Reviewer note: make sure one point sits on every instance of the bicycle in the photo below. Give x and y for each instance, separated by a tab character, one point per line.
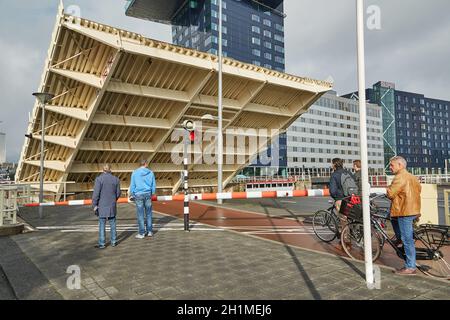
327	223
429	239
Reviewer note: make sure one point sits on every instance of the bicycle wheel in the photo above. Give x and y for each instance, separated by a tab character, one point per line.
352	240
325	225
430	259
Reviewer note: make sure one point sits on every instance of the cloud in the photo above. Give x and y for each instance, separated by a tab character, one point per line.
411	49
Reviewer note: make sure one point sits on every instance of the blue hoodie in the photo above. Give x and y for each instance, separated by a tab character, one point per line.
142	181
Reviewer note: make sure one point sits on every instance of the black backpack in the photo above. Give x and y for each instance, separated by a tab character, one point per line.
348	183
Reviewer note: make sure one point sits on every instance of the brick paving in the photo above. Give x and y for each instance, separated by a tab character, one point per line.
206	263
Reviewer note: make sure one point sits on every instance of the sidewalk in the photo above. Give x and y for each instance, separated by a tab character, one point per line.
206	263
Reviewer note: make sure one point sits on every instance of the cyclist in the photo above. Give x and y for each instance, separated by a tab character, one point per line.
357	174
342	185
404	193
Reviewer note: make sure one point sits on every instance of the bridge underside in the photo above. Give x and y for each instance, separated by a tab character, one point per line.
120	97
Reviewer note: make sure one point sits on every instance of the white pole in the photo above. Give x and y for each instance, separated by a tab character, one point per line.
363	144
219	124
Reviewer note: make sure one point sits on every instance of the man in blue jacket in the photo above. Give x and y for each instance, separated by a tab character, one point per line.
142	187
104	200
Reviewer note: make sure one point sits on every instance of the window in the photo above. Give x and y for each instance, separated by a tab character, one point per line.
256	52
279	49
267	33
268	45
268	56
255	18
256	29
279	27
257	63
268	66
278	38
267	22
256	41
279	59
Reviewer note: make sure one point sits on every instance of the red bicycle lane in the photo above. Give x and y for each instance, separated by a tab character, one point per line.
287	231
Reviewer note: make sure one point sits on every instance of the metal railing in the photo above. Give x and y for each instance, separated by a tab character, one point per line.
29	191
273	178
8	205
434	178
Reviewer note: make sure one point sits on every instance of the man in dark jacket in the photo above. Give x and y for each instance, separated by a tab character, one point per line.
336	191
104	200
357	174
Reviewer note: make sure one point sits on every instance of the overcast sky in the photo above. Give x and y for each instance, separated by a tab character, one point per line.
412	48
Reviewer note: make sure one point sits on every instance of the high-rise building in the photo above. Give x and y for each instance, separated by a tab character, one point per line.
330	129
252	32
2	148
414	126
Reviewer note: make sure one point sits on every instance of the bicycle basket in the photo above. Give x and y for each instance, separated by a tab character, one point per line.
356	213
348	206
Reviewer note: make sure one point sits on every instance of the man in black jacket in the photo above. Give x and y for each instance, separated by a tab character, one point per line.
336	191
357	174
104	199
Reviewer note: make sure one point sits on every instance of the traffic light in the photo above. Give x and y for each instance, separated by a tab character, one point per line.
189	126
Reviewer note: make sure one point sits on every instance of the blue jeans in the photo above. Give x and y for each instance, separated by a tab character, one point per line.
403	228
101	230
144	208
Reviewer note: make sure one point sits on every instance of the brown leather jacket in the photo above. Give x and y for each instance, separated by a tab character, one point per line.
405	195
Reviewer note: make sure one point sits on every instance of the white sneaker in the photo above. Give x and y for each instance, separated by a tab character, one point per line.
150	234
139	236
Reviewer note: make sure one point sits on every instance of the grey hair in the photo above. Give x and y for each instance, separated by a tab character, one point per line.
399	159
144	162
106	167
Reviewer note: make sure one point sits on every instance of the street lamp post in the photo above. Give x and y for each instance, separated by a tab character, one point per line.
219	124
43	99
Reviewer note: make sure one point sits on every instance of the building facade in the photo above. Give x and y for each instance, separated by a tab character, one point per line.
415	127
251	31
330	129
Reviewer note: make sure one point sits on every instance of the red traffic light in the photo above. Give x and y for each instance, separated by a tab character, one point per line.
192	136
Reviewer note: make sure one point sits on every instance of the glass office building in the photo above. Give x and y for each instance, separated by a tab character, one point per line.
252	32
414	126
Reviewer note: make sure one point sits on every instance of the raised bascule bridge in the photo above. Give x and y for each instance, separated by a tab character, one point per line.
119	97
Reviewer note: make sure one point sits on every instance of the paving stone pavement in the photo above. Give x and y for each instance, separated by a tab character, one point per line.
206	263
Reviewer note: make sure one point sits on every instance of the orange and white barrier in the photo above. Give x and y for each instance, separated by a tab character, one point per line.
204	196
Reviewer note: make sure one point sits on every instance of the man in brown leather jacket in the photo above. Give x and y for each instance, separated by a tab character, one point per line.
404	193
